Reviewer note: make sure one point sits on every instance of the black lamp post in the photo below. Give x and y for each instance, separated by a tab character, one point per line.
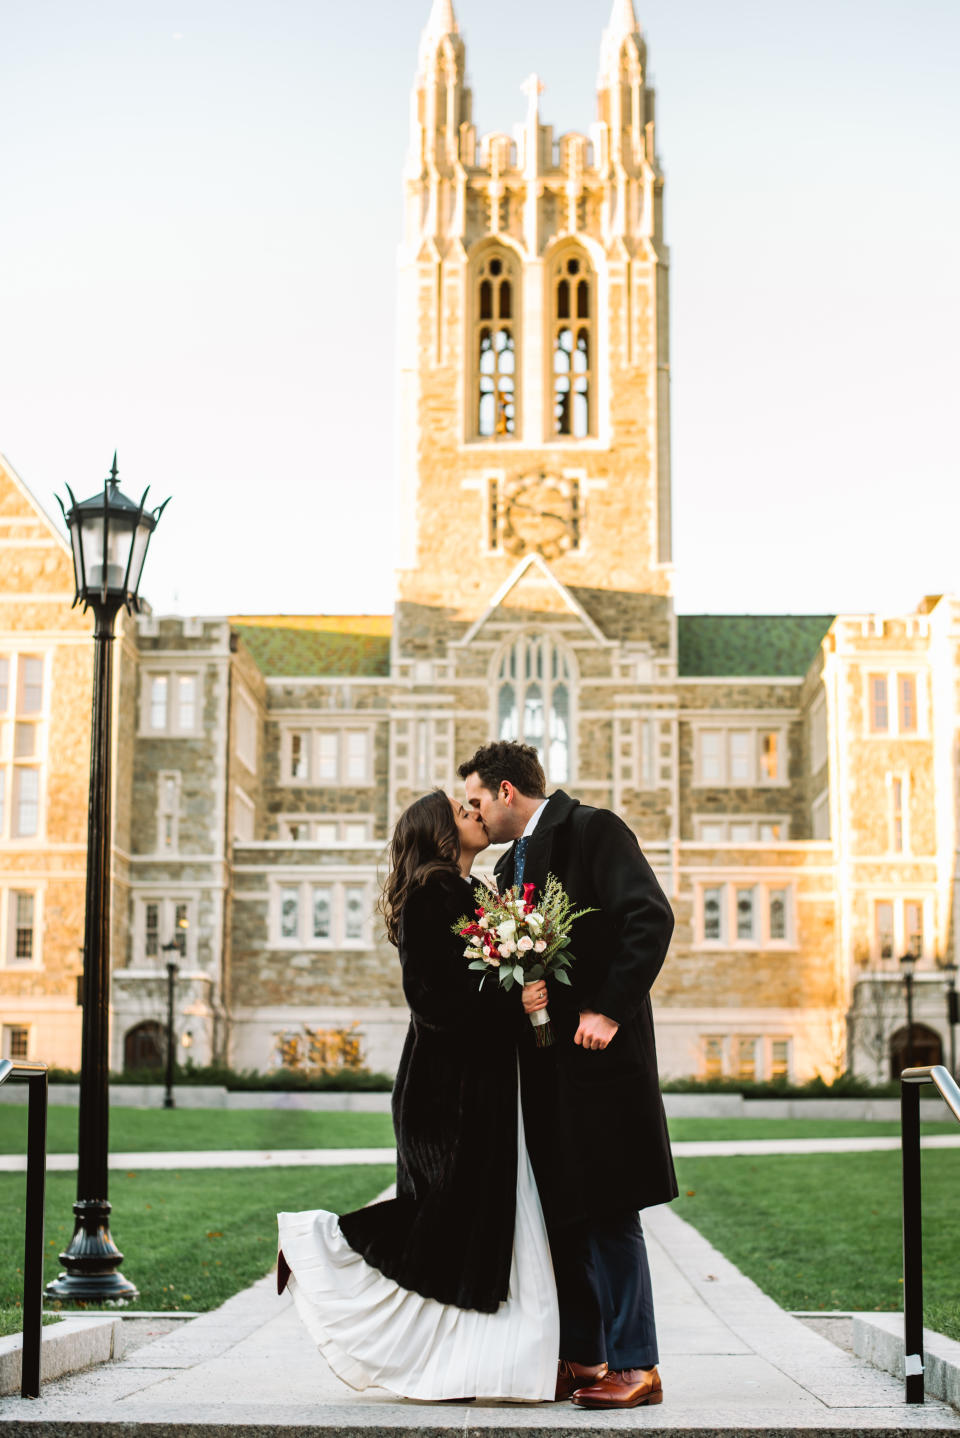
953	1014
110	535
172	948
907	965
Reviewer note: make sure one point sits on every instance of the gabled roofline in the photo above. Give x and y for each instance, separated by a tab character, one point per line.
32	499
535	561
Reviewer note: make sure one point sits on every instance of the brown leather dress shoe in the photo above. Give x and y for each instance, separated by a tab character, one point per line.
617	1390
571	1376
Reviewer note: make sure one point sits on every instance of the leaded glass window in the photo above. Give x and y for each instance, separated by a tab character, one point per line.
573	319
533	686
496	346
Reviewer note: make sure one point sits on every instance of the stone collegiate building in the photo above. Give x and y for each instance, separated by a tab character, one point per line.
793	780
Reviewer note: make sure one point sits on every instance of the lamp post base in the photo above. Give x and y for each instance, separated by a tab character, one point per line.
91	1261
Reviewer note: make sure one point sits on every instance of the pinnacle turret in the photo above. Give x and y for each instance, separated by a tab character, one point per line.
621	25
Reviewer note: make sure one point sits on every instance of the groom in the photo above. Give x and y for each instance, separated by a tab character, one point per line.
593	1114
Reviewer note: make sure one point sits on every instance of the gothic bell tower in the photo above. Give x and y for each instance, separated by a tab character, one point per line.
534	348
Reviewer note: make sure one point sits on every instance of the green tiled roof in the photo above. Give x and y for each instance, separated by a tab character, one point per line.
296	650
749	644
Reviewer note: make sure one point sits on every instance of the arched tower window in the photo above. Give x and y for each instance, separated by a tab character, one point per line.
533	688
574	312
495	345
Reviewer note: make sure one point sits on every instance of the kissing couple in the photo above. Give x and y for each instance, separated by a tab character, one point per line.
511	1264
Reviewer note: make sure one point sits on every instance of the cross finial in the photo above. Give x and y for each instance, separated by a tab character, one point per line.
533	87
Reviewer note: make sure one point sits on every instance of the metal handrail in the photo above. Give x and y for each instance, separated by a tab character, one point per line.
910	1081
35	1075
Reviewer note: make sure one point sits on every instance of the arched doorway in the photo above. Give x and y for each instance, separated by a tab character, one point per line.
145	1046
924	1048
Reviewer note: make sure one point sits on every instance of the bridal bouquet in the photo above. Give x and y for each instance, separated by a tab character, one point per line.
520	940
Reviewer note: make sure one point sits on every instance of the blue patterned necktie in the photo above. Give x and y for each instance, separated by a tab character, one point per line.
519	859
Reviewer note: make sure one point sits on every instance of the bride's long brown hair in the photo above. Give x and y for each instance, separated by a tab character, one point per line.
425	841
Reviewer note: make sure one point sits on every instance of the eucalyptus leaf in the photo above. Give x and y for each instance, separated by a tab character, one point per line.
477	964
562	978
518	973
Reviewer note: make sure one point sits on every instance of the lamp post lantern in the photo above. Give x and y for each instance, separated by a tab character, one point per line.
908	963
174	947
110	535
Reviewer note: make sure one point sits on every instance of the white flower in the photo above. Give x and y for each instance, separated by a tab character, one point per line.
483	923
505	950
534	922
525	944
539	946
507	930
473	953
491	960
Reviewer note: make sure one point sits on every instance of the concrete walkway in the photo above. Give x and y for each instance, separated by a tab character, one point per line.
331	1157
732	1363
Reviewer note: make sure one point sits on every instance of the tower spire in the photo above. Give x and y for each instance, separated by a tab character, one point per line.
443	21
621	25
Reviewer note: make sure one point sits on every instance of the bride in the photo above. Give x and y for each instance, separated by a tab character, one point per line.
446	1291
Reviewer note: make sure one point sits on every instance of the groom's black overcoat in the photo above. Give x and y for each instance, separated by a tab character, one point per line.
594	1119
449	1232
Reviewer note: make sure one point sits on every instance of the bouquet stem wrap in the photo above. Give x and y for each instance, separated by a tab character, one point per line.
542	1028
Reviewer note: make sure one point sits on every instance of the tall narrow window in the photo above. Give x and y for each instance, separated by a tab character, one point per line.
879	705
907	696
780	1059
573	347
159	685
713	1057
913	927
31	685
713	914
745	928
23	907
778	914
496	347
883	928
533	701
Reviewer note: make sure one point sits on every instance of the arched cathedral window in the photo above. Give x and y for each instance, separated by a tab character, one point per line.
495	346
574	309
533	688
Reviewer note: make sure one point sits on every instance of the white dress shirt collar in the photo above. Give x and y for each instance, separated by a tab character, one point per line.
533	821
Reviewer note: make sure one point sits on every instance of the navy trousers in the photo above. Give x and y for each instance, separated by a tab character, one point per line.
605	1294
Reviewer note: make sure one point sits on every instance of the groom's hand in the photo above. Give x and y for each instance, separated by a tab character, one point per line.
595	1030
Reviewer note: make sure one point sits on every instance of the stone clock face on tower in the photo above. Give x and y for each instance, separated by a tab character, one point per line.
541	515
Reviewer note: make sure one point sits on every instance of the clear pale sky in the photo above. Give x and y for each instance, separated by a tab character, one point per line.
200	212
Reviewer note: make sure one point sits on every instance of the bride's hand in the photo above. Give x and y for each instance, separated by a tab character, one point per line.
534	996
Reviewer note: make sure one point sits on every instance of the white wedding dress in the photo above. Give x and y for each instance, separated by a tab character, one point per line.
374	1333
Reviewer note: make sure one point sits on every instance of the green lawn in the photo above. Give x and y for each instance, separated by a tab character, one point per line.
740	1128
190	1239
138	1130
152	1130
823	1230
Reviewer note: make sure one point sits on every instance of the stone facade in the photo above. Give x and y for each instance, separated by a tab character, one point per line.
792	779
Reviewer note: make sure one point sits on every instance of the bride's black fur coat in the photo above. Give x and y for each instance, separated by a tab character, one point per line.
449	1232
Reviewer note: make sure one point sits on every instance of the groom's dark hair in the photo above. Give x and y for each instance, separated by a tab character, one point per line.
518	763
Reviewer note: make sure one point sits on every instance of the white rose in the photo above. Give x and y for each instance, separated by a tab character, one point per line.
491	960
505	950
507	930
539	946
525	944
483	923
534	922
